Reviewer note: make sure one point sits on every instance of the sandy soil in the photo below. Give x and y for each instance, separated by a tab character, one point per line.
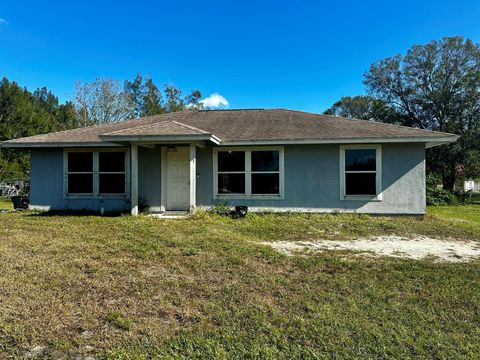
418	248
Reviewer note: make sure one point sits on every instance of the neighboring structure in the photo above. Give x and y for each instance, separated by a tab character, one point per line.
276	159
467	186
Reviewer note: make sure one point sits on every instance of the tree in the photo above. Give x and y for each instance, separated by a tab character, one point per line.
436	87
149	100
25	114
102	102
365	108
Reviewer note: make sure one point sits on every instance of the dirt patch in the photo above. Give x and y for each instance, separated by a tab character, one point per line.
418	248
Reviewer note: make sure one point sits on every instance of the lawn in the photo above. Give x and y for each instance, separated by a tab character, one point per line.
6	204
125	287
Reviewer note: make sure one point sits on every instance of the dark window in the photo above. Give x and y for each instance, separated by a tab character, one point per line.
80	162
360	184
231	161
80	173
111	161
111	183
111	169
231	183
80	183
265	161
360	160
360	171
265	183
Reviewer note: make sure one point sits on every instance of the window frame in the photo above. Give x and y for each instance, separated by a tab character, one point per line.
96	175
248	173
378	172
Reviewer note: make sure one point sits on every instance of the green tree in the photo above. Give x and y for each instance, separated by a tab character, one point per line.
365	108
436	86
25	114
149	100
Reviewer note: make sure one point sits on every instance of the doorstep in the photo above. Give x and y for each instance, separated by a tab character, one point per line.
172	215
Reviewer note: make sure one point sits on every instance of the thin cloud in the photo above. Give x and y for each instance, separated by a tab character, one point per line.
3	21
215	101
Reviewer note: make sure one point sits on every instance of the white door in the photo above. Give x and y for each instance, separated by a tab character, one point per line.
178	179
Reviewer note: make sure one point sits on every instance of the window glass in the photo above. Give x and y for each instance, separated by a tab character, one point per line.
80	183
360	184
265	184
111	161
231	183
265	161
80	162
111	183
360	160
231	161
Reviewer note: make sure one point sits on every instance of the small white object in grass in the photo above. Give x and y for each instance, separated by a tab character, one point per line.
418	248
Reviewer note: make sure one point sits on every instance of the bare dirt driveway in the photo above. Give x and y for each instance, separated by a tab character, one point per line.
418	248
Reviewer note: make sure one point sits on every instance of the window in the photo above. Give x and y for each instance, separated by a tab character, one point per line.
265	172
95	173
80	173
360	172
231	172
245	173
111	172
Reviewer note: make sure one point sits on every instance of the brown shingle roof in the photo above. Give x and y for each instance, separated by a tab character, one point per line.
274	125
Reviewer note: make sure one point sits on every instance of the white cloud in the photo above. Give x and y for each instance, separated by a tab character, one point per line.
215	101
3	21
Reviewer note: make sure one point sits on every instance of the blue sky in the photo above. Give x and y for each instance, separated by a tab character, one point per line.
294	54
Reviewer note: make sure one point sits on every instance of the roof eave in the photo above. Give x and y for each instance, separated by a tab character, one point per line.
53	144
429	141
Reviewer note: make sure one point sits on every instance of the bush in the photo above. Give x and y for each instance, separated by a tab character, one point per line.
436	196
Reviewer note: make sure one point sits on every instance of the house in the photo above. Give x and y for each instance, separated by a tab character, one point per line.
266	159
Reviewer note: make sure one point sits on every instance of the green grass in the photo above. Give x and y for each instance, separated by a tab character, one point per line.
205	288
467	216
6	204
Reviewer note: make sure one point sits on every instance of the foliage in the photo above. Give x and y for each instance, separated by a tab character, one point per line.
148	99
438	196
436	86
101	102
23	113
365	108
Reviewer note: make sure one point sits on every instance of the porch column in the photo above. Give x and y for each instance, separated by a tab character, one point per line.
134	178
193	176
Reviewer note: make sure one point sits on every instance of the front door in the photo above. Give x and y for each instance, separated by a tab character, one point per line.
178	179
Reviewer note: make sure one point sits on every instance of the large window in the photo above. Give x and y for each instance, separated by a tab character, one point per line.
95	173
245	173
360	171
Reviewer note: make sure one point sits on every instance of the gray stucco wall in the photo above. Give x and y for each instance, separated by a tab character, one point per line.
312	182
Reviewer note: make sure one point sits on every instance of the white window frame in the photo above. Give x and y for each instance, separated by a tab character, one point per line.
378	172
248	173
96	174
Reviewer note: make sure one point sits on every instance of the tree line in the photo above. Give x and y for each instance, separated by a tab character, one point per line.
435	86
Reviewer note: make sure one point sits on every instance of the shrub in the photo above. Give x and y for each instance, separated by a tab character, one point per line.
437	196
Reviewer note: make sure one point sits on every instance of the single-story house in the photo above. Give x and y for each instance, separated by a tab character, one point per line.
266	159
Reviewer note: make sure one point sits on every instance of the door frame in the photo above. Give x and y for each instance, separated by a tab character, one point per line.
164	169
